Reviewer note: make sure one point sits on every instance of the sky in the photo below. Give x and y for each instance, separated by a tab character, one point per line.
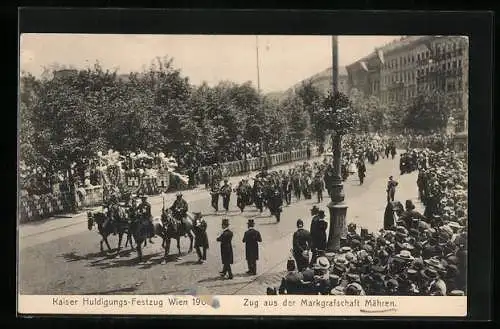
283	60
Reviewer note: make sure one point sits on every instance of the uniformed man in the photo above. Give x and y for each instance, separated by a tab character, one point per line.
179	209
225	191
214	193
319	186
391	189
251	240
144	212
361	170
301	246
226	249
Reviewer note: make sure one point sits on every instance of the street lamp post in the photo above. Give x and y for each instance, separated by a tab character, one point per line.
336	207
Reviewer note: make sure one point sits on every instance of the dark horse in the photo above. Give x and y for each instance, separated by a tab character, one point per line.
172	230
105	227
140	229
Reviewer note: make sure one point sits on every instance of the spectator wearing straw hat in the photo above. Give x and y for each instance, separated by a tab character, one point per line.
251	240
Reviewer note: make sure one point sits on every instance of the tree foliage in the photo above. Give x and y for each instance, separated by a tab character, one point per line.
337	115
428	112
66	119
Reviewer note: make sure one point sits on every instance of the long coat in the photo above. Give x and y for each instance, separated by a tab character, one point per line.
226	248
251	240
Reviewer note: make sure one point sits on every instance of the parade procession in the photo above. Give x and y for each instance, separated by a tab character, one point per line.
159	182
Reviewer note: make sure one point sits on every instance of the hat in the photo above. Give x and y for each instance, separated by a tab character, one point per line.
353	277
314	209
178	194
456	293
322	263
355	243
321	213
225	221
391	284
407	246
434	263
251	222
452	260
411	271
417	264
300	223
429	273
455	225
290	264
338	290
345	249
404	255
409	205
353	289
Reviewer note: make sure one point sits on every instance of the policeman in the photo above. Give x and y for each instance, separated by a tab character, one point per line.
144	211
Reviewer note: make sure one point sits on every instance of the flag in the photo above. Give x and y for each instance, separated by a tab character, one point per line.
380	55
363	65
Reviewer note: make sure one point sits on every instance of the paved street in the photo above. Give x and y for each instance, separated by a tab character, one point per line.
62	257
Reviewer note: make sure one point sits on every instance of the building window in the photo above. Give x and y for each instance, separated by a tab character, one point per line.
459	63
418	57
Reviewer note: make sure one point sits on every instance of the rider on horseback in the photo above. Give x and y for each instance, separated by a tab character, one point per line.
179	210
144	212
112	210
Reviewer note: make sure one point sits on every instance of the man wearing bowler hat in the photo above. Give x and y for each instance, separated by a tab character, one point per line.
251	240
301	246
226	249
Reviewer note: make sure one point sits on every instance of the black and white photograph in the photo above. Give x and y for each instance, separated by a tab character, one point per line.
243	165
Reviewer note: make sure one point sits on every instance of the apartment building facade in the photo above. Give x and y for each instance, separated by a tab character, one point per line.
405	68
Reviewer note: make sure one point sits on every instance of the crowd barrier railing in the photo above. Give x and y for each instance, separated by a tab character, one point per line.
238	167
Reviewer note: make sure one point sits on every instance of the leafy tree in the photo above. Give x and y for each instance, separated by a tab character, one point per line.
428	112
298	118
336	114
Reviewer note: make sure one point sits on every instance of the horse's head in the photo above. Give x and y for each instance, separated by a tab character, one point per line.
90	220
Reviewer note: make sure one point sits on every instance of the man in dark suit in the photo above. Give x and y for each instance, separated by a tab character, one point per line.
251	240
201	238
301	246
226	249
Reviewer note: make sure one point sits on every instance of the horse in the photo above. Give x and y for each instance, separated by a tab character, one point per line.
105	227
172	230
140	230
